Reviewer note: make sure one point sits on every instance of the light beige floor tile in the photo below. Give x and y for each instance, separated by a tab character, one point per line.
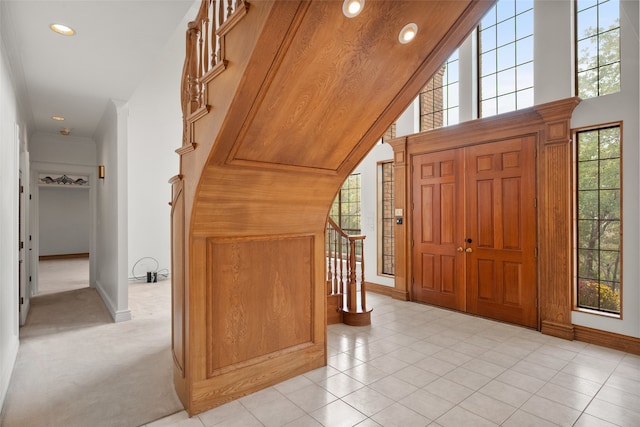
564	396
311	397
485	368
338	414
521	381
581	385
546	360
343	361
469	349
488	407
500	359
524	419
305	421
534	370
613	413
392	387
271	408
295	383
407	355
398	415
366	373
458	417
321	374
368	401
225	414
340	385
449	390
425	347
178	419
557	352
506	393
623	383
586	371
241	419
551	411
587	420
435	366
427	404
388	364
467	378
452	356
416	376
619	397
368	423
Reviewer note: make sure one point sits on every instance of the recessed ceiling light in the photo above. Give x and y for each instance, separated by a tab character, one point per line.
408	33
58	118
352	8
62	29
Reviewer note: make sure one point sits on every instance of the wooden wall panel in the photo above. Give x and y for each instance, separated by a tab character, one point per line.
257	308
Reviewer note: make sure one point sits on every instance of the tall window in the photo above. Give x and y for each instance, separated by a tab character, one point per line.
439	100
597	47
386	258
599	219
506	57
345	210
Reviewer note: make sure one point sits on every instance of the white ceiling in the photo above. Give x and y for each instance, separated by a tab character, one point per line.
115	44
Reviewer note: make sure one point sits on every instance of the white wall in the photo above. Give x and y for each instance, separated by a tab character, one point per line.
155	132
9	118
111	211
64	218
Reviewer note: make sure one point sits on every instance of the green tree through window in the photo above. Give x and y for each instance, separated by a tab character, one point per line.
599	219
346	207
597	47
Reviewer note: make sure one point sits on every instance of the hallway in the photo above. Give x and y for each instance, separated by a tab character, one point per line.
75	367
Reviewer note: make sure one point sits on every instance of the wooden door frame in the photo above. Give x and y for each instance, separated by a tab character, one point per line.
550	125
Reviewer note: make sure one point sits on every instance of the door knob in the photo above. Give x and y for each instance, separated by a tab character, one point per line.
469	250
460	249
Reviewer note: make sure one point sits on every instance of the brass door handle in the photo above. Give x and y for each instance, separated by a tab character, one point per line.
469	250
460	249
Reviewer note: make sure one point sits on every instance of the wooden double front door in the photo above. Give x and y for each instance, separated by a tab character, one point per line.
474	230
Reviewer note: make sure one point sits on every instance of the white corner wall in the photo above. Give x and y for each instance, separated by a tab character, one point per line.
111	211
155	132
9	171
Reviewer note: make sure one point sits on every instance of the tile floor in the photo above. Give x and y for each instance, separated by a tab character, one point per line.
418	365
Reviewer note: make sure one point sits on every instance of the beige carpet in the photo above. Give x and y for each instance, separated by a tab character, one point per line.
76	367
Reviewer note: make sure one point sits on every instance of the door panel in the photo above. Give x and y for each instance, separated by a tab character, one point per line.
474	230
500	220
438	275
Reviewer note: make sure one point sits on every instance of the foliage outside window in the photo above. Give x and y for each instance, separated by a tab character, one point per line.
599	224
346	208
506	57
439	100
386	235
597	47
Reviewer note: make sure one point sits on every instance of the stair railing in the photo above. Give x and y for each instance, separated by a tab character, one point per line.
205	54
344	252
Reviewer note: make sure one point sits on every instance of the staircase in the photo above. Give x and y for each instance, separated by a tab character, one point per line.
346	295
281	100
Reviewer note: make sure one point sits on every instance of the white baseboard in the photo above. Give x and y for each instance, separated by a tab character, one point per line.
116	315
7	369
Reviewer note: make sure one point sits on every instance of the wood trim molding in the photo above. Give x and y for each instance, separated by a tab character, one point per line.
560	330
232	21
187	148
379	289
214	72
200	112
64	256
607	339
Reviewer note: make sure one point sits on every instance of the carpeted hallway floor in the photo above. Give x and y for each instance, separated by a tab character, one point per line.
75	367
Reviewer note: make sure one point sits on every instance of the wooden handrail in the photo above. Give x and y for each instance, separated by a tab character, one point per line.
205	55
342	278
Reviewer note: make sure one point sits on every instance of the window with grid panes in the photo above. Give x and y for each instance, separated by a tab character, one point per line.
387	226
597	47
439	100
345	210
599	219
506	57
